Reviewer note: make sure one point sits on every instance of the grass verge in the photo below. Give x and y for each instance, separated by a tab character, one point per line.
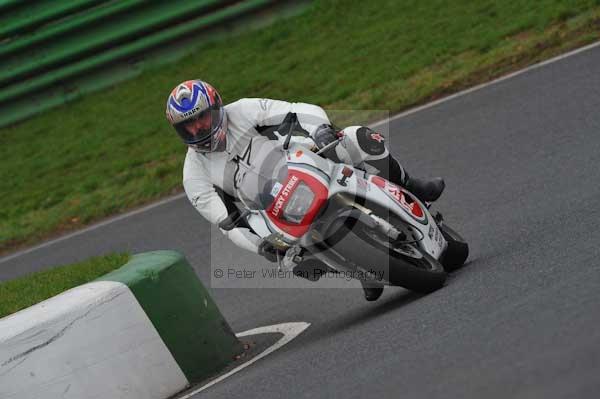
36	287
113	150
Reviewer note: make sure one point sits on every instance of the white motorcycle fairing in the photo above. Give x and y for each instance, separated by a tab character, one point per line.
311	174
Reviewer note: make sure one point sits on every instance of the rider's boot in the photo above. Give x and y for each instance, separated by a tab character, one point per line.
372	290
426	190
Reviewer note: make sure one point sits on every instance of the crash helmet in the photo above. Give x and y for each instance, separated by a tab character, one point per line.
195	110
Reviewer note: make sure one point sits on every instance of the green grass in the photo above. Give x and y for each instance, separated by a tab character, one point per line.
34	288
114	150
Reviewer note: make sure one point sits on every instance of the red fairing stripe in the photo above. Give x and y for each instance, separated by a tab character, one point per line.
275	211
397	193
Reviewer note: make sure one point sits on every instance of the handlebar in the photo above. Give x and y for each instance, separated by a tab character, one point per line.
329	146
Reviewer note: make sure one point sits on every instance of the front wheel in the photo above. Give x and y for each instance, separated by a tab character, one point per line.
410	268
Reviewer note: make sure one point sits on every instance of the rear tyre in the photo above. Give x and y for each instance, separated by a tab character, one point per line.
457	252
419	272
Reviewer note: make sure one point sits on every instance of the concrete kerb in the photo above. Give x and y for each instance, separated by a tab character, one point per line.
147	330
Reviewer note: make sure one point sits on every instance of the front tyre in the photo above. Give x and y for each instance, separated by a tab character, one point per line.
414	269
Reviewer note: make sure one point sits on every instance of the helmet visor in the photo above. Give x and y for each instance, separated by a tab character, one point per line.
199	128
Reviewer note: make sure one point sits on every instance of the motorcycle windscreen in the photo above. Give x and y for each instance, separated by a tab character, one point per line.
261	173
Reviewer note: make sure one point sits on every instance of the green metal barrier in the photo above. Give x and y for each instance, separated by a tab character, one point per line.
121	29
72	25
8	5
125	50
27	15
48	46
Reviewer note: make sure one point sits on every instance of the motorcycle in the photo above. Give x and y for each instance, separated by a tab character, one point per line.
330	217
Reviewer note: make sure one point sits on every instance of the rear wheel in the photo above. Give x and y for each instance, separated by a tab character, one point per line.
406	266
457	252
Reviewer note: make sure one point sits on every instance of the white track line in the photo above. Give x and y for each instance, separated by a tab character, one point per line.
490	83
397	116
289	331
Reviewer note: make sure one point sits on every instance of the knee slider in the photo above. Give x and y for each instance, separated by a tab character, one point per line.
369	141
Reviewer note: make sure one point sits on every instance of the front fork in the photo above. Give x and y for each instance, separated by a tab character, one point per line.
297	253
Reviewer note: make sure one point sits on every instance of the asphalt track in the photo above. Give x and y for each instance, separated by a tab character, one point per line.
521	160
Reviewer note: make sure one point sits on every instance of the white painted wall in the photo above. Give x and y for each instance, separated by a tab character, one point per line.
93	341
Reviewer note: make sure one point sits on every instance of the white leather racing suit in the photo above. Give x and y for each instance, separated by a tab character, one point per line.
207	177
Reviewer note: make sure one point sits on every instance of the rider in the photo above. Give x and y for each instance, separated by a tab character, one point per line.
216	134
